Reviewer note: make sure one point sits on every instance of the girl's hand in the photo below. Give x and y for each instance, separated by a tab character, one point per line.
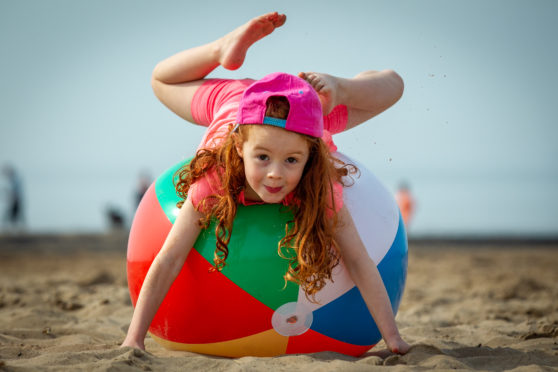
137	344
398	346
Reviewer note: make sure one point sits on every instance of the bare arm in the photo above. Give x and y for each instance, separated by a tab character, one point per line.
364	273
162	273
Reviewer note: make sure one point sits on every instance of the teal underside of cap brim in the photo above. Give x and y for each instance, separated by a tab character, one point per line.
275	122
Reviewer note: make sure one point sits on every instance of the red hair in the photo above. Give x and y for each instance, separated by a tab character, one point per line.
309	242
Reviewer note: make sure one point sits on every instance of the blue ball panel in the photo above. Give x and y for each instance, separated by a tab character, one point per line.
393	268
347	318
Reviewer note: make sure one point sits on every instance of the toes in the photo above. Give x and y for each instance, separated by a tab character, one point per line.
318	85
276	18
281	19
313	80
308	76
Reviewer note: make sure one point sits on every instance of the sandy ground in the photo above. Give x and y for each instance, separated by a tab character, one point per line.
64	305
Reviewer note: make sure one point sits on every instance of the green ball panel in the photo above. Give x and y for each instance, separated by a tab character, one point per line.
165	191
253	262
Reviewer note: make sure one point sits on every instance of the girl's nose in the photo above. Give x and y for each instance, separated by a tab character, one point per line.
274	171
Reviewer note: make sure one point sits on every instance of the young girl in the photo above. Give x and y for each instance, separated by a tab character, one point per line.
268	141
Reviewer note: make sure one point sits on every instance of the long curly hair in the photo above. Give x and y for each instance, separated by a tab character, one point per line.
309	243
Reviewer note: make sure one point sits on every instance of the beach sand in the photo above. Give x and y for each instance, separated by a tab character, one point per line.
64	305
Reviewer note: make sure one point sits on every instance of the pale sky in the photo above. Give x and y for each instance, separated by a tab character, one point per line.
79	120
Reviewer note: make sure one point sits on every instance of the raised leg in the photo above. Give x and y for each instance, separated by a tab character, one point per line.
176	79
365	95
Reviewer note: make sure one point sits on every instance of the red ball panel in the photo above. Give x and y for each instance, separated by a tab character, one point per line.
179	318
147	235
314	342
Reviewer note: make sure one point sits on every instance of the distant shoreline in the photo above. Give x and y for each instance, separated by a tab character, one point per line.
117	242
494	240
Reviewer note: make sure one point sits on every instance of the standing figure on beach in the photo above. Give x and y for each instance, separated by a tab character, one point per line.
14	208
144	181
406	203
268	141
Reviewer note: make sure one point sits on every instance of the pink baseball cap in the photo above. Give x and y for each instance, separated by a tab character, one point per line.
305	112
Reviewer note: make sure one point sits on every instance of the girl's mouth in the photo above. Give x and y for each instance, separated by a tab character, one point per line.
273	190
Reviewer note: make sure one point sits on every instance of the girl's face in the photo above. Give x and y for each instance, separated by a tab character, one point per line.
274	160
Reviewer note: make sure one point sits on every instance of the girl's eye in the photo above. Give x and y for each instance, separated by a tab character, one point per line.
292	160
263	157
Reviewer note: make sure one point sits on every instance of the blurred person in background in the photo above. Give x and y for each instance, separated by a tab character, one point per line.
144	181
406	203
13	216
115	218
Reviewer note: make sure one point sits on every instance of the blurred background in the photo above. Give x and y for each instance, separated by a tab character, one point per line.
473	140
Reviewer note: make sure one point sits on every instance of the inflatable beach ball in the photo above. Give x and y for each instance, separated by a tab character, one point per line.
246	309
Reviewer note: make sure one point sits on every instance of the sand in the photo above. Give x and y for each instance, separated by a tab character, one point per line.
490	306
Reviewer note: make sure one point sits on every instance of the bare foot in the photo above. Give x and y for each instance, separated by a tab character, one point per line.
234	45
326	86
